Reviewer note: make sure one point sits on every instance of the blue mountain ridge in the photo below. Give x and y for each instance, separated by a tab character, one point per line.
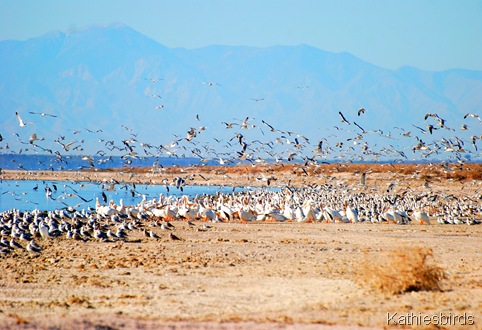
111	83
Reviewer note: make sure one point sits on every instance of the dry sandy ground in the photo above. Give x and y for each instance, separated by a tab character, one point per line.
238	276
284	275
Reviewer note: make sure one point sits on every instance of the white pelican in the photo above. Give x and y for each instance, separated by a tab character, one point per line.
332	215
421	217
246	214
351	214
105	210
206	214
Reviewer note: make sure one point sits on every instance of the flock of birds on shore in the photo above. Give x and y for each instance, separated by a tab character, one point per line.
323	204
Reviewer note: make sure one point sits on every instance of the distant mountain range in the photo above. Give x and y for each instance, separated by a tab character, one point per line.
105	85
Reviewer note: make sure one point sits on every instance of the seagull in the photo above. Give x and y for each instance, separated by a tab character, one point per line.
363	131
472	115
474	141
421	129
271	128
319	149
363	179
431	128
33	247
14	244
434	115
174	237
20	121
343	120
229	125
211	83
254	99
164	227
34	138
245	123
42	114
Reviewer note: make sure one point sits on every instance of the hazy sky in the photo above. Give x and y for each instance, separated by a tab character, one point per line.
427	34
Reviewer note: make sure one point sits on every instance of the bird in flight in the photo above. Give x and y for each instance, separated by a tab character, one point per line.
34	138
343	120
472	115
42	114
360	111
362	129
20	121
211	83
228	125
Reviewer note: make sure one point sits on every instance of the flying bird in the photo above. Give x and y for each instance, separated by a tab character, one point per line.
360	111
474	141
42	114
229	125
34	138
472	115
343	120
211	83
363	130
363	178
319	149
434	115
20	121
271	128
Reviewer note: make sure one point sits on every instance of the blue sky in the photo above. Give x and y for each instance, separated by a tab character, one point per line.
428	34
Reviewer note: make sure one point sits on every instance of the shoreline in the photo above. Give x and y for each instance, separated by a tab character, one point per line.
453	178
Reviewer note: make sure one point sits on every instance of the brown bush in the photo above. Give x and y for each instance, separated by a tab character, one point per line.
401	270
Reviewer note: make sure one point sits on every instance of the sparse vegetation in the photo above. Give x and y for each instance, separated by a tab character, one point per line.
401	270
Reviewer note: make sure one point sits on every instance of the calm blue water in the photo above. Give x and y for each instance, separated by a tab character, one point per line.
30	195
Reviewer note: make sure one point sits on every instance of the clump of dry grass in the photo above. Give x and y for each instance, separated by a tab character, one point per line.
401	270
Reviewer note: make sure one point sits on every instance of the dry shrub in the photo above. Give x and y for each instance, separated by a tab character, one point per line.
401	270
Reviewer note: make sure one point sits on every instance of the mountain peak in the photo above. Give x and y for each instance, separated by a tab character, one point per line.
110	76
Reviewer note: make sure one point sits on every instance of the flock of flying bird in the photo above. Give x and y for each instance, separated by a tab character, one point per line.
329	203
248	141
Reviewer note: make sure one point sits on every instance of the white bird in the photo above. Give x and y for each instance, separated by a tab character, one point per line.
33	247
351	214
42	114
20	121
422	217
44	230
473	116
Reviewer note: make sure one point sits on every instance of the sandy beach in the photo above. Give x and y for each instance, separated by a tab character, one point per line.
252	275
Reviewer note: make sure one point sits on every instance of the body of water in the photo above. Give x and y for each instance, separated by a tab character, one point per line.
29	195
